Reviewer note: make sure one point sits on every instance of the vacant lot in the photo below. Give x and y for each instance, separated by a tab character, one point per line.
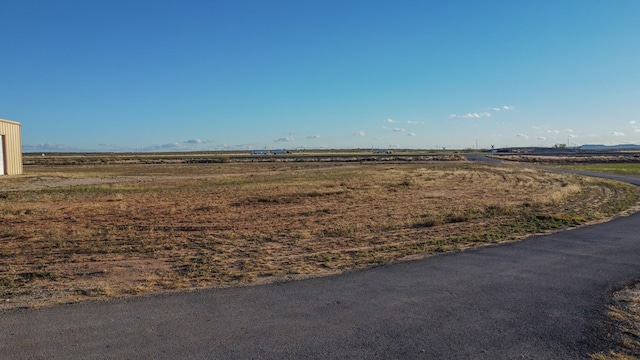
71	233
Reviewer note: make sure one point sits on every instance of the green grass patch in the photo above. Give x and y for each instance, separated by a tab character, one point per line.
624	169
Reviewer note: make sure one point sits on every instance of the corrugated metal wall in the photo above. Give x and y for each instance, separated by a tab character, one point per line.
12	147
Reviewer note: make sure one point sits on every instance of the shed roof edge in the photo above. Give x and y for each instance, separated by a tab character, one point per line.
10	121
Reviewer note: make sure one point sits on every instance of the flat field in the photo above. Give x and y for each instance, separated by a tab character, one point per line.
623	169
73	233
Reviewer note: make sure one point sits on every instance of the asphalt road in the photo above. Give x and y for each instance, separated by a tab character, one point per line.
541	298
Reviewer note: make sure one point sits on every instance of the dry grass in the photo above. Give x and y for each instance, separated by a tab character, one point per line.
624	314
613	159
91	232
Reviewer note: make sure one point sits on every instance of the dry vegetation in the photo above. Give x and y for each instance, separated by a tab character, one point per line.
213	157
624	313
575	158
73	233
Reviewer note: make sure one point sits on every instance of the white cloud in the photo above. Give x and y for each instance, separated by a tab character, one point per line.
505	108
571	136
172	146
616	133
632	122
47	147
411	134
194	142
360	133
636	130
471	116
522	136
553	131
313	137
413	122
391	121
285	139
541	138
398	129
175	146
568	130
105	145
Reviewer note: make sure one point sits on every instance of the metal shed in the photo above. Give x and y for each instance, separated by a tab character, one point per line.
10	148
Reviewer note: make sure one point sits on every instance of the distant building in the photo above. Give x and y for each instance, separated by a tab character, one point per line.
10	148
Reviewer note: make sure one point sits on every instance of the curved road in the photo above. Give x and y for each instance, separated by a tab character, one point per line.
541	298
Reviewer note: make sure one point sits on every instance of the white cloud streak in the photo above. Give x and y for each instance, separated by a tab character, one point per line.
471	116
502	108
480	115
360	133
285	139
172	146
47	147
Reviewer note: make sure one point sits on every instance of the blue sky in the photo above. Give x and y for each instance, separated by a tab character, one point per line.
114	75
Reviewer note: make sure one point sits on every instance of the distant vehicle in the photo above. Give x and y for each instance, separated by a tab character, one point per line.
382	151
259	152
